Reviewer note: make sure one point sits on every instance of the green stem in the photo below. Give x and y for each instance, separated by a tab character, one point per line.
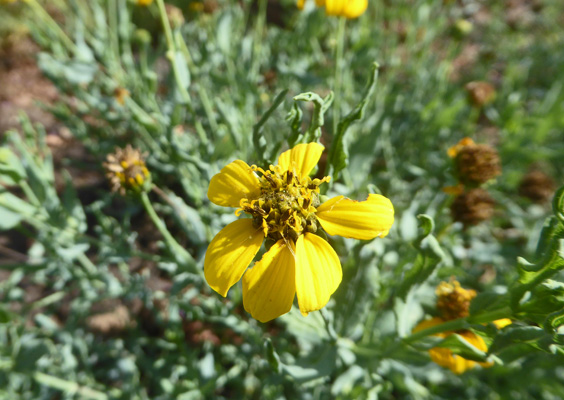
44	15
338	73
448	326
461	323
177	250
71	388
31	195
171	55
259	37
88	265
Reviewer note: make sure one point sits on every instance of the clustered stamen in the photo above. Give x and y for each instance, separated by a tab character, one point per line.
287	204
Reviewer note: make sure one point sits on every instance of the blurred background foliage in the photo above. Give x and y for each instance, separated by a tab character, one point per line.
97	303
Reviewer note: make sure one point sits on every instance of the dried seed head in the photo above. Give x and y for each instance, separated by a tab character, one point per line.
480	93
477	164
453	301
537	186
126	170
472	207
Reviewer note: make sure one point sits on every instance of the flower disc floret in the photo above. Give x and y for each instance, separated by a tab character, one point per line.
287	203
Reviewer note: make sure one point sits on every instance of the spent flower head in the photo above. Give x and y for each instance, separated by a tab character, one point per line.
472	207
537	186
475	163
284	204
127	171
453	301
480	93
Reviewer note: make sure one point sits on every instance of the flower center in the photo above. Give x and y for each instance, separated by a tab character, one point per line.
287	204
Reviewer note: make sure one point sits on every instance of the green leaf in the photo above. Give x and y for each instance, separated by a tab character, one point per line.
487	301
515	335
320	106
11	169
271	355
30	351
546	298
338	154
258	140
458	345
5	316
295	117
429	257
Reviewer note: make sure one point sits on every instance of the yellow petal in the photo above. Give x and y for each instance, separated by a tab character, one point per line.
234	182
454	362
270	286
335	7
478	343
501	323
300	4
357	219
320	3
355	8
318	272
301	159
429	323
230	253
464	142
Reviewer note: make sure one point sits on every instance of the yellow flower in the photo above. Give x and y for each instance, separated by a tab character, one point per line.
444	357
463	143
453	302
341	8
285	209
120	94
144	3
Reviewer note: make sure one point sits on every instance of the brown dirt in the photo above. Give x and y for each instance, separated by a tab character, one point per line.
22	86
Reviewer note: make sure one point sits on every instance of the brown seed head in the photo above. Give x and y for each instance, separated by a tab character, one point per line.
453	301
537	186
480	93
472	207
477	164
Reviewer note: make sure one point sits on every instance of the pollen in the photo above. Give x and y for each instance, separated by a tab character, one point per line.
286	205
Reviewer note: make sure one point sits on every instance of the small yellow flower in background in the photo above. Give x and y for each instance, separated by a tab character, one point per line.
453	302
341	8
120	94
126	170
464	142
445	357
285	208
144	3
